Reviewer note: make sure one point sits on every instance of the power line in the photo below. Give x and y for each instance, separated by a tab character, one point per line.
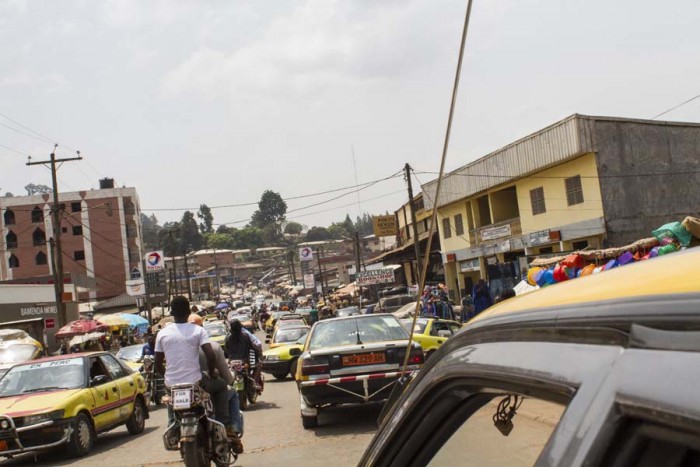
13	149
43	140
674	108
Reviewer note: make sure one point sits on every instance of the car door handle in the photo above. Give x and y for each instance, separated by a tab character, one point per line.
131	383
114	389
439	342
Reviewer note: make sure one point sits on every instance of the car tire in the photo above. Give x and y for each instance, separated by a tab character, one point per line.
279	375
137	420
309	422
83	437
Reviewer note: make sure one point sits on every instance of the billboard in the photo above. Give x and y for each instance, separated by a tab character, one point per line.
155	261
309	281
306	254
377	276
384	226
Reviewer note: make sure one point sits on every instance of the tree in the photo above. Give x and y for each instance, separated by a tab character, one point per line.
249	237
292	228
169	239
317	233
348	225
271	210
204	213
336	231
189	233
150	232
224	229
220	241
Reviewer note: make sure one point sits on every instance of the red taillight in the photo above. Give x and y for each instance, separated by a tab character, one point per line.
315	366
416	357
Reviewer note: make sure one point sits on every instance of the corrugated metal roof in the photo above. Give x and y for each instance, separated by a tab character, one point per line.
557	143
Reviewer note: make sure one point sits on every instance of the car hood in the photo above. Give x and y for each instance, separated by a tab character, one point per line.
283	351
38	402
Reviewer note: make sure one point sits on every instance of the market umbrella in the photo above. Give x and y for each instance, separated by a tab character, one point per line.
81	326
115	321
136	321
76	340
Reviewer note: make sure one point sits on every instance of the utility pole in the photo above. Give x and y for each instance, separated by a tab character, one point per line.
357	264
56	221
416	243
187	278
319	252
218	280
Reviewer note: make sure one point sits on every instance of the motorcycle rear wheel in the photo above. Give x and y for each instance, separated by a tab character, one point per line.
242	400
194	455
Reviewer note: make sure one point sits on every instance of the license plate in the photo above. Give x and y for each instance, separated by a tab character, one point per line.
237	365
3	445
182	399
363	359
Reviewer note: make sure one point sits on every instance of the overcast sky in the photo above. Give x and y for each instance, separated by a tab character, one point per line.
215	101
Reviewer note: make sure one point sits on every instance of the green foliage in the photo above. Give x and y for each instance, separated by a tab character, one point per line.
317	233
293	228
205	215
249	237
271	210
189	233
169	238
220	241
150	232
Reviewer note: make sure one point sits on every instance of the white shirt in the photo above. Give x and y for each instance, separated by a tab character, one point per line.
180	342
253	338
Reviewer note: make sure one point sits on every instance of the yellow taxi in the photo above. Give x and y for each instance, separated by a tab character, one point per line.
66	401
132	355
279	363
431	333
217	331
287	335
272	320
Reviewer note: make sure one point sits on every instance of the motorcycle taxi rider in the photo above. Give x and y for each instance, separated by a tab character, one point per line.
180	344
239	344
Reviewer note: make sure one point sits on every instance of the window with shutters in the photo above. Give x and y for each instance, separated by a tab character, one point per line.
37	215
9	217
40	259
13	262
459	225
39	237
446	230
10	240
574	191
537	201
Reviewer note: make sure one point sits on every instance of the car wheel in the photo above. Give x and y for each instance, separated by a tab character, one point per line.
137	421
83	437
309	422
279	375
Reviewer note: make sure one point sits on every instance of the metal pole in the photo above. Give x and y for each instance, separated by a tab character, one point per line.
357	264
187	278
319	252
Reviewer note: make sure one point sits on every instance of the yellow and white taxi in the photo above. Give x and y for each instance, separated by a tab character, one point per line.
68	400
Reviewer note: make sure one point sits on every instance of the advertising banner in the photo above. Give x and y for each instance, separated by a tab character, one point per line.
378	276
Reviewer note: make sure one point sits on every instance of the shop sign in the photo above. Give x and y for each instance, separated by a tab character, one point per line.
155	261
469	265
135	287
306	254
384	226
38	310
309	281
539	238
49	323
504	246
495	232
378	276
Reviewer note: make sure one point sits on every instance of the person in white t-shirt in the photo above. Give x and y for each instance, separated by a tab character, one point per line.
179	345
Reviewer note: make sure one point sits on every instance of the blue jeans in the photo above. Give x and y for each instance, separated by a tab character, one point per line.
235	418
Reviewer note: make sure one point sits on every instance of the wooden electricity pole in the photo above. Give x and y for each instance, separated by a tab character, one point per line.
56	222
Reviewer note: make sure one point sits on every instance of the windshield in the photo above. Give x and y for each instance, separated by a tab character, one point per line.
284	336
336	332
215	331
34	377
17	353
242	317
131	353
347	311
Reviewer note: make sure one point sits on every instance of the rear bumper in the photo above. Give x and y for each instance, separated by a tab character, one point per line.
348	390
276	367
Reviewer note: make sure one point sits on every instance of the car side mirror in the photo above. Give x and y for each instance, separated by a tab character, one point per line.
295	351
99	379
444	333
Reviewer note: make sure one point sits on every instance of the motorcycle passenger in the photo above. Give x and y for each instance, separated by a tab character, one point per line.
225	400
179	344
239	344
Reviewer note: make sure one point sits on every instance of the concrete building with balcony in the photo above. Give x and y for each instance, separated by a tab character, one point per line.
583	182
100	236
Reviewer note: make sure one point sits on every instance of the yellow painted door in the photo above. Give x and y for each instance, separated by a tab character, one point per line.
126	384
105	395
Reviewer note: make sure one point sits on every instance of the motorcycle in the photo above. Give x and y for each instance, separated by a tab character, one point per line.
244	383
194	432
155	384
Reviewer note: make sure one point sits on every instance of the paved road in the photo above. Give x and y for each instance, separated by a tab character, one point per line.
274	437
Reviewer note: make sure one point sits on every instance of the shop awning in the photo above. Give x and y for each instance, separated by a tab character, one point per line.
405	251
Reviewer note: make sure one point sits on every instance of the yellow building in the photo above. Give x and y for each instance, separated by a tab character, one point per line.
583	182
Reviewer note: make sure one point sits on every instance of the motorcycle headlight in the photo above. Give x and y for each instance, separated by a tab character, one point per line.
272	358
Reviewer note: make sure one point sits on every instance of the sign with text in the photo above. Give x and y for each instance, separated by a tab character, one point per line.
384	226
495	232
309	281
155	261
378	276
49	323
135	287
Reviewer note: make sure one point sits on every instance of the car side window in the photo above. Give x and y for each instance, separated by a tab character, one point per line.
438	326
113	367
454	327
97	369
479	441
